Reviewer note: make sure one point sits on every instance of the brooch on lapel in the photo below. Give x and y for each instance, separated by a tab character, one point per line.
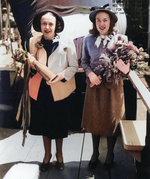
65	49
38	45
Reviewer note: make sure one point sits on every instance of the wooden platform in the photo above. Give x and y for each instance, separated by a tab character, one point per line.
132	138
134	131
75	159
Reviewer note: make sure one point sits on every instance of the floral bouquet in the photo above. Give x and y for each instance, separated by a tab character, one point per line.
26	60
22	57
120	48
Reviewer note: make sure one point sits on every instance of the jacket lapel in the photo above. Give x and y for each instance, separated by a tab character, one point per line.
42	56
39	54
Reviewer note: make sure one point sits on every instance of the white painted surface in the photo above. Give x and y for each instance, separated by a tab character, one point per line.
11	149
23	171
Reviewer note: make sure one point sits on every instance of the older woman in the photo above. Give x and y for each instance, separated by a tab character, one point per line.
104	102
49	99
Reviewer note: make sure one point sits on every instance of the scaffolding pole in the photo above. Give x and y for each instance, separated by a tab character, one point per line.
0	20
149	28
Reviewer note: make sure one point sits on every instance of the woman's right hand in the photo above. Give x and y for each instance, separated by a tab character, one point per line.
94	79
31	60
125	68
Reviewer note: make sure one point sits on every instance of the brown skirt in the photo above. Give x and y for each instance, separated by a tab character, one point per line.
103	109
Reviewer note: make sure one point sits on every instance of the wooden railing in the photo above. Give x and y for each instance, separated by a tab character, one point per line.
136	134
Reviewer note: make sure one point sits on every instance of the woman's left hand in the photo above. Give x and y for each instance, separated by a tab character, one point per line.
122	66
59	77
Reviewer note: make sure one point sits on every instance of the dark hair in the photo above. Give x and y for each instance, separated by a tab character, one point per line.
37	21
58	27
94	30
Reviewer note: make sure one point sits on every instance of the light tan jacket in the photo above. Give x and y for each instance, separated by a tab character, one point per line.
63	58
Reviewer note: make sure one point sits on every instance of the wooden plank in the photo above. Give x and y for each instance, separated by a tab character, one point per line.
72	153
135	154
22	170
36	152
141	110
13	148
144	82
141	89
4	144
133	134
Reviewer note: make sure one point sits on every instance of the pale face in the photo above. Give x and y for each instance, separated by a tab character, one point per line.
102	23
48	25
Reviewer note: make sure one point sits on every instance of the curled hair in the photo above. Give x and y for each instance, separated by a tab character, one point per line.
58	26
94	30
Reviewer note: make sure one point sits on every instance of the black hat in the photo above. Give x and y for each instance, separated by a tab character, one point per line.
40	13
106	9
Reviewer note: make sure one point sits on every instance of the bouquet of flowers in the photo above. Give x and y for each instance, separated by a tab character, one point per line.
120	48
26	60
22	57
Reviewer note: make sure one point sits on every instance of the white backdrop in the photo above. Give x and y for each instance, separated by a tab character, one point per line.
78	25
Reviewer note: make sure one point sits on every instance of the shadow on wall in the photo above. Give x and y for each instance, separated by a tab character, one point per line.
9	99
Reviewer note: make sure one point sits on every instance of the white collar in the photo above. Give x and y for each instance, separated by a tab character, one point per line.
56	38
99	40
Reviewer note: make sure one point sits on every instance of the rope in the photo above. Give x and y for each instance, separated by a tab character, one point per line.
81	156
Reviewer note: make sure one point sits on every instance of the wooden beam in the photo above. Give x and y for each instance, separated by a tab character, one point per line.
136	155
141	89
133	134
1	29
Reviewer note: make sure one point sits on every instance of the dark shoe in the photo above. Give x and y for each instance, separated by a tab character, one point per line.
92	164
109	163
60	166
108	166
44	167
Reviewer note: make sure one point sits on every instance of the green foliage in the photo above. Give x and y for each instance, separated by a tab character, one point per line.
137	21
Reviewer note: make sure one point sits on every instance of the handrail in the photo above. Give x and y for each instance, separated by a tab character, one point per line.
140	88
